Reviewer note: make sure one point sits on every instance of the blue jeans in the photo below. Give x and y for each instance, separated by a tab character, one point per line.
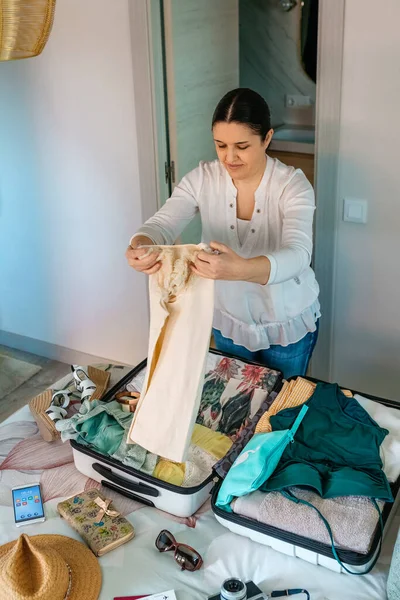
291	360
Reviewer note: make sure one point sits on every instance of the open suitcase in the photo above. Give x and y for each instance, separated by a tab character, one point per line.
134	484
307	549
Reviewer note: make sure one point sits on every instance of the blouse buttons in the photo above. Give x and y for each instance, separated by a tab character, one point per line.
232	227
231	205
258	210
253	231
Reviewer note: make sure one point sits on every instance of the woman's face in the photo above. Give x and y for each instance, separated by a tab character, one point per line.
240	150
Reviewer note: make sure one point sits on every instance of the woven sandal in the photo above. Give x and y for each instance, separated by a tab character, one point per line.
38	407
92	384
59	403
56	413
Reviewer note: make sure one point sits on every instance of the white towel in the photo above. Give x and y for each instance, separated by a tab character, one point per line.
388	418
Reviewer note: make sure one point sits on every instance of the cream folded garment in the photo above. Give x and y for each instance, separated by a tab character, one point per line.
181	314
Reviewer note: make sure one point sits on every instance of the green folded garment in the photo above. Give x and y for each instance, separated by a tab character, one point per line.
104	426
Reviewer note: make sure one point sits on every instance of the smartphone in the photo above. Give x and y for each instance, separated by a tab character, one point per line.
28	504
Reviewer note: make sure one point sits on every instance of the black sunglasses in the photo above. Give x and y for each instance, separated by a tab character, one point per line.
187	557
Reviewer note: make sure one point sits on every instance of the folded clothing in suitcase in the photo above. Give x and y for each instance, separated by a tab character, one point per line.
297	529
234	392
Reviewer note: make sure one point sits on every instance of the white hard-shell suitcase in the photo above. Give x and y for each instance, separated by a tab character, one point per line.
132	483
307	549
179	501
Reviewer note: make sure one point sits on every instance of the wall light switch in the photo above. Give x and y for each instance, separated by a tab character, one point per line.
296	100
355	211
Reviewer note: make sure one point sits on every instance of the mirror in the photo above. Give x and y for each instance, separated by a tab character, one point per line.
308	37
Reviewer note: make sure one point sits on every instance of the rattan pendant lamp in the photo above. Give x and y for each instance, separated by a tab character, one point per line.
25	27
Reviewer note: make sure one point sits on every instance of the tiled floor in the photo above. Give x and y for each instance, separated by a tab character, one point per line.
50	372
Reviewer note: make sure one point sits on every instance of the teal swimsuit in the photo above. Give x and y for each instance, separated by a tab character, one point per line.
335	450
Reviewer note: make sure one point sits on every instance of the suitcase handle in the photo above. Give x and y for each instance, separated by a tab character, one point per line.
141	488
116	488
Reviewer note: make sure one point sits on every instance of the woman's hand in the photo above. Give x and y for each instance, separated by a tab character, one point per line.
137	258
229	266
224	264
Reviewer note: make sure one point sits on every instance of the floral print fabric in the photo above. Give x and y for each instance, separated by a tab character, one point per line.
243	436
232	393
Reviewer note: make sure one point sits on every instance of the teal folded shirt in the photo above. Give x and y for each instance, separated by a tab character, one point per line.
336	451
102	431
105	426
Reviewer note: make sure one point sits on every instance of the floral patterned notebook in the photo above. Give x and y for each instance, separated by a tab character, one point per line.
93	516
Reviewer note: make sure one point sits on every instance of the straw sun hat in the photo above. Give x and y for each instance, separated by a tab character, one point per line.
48	567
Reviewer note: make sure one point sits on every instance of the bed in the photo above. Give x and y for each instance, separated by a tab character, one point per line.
137	567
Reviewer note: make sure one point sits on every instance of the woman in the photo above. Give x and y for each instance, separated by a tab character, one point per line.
257	213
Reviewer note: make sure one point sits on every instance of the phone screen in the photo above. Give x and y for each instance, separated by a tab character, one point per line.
27	503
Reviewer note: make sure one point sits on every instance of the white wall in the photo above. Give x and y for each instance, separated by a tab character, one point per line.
69	187
366	352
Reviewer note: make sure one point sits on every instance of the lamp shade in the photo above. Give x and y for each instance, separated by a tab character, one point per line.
25	27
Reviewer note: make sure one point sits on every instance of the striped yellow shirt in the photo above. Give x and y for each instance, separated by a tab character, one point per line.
293	393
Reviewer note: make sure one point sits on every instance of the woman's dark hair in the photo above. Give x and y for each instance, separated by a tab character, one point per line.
244	106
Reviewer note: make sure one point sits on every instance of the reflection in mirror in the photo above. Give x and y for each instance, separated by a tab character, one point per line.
308	37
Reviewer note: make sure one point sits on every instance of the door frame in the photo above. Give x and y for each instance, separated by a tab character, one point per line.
151	138
328	116
145	18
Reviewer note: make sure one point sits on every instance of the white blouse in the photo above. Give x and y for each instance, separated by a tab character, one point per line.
242	228
252	315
